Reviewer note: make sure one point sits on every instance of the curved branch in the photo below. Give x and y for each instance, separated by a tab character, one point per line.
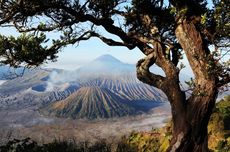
111	42
144	75
88	34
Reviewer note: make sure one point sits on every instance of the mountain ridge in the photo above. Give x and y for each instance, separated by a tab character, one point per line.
114	82
91	103
106	64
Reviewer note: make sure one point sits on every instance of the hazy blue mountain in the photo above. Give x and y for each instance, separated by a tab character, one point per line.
105	87
105	64
104	83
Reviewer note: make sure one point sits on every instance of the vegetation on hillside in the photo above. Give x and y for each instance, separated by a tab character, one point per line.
157	140
218	130
27	145
219	126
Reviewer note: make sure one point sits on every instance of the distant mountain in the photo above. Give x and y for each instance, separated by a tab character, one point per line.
104	88
105	64
108	88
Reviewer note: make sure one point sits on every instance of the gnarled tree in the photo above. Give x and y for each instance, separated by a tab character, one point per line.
162	30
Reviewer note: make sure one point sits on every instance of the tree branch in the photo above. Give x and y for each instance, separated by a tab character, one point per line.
111	42
144	75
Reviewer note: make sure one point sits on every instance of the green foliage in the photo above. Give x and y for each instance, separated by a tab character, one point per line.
157	140
124	146
181	66
204	18
103	7
27	145
173	10
191	83
221	15
224	108
222	146
26	49
145	142
219	126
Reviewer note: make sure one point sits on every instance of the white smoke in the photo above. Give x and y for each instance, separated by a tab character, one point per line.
50	87
57	79
106	66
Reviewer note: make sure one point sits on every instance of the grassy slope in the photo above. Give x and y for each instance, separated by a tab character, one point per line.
218	131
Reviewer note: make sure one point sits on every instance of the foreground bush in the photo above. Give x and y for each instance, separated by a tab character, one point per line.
28	145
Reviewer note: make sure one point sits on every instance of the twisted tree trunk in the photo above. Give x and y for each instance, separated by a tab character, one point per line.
190	125
190	116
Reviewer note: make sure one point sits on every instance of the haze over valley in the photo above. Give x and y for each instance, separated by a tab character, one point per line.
101	99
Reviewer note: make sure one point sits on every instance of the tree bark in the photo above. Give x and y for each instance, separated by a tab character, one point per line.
190	128
190	121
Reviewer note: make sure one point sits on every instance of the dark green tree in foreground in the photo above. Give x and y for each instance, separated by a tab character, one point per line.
162	30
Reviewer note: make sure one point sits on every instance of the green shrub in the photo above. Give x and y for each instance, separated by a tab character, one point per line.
28	145
25	145
222	146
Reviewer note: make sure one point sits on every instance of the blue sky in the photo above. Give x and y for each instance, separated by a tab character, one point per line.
74	56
